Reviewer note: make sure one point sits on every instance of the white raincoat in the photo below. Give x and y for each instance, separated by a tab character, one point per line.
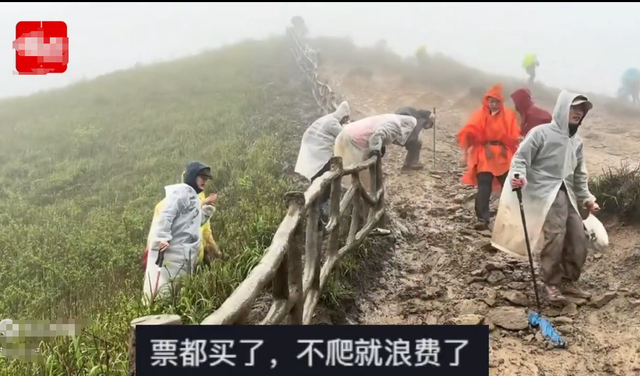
177	220
547	157
359	138
316	148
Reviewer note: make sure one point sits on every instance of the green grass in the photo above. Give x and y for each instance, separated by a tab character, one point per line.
618	193
82	168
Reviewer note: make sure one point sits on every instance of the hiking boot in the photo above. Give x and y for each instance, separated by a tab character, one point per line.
554	294
570	288
481	225
413	167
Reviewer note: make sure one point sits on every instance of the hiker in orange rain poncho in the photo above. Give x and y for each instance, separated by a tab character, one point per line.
488	141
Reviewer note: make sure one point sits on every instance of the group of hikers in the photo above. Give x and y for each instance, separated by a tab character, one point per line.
543	157
629	81
543	150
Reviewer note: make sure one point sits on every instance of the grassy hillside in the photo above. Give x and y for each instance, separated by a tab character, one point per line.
81	169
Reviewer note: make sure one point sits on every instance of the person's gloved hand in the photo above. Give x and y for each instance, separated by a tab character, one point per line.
518	183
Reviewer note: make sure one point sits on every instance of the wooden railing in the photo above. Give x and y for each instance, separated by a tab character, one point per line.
324	96
297	285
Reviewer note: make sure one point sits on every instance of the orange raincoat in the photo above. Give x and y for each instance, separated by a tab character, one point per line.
483	128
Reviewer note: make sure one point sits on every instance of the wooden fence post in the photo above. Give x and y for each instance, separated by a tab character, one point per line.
373	189
294	255
380	182
357	207
146	320
334	208
313	234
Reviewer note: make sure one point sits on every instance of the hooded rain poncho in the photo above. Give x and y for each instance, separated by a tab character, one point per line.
548	156
530	115
316	148
359	138
480	131
631	75
177	220
529	61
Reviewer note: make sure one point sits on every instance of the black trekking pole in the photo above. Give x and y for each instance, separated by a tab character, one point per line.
535	319
526	240
159	262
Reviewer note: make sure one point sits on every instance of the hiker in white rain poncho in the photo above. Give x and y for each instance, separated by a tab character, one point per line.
553	177
175	231
369	136
316	147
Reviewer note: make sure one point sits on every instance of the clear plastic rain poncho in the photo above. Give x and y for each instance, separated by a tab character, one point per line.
177	220
547	157
359	138
316	148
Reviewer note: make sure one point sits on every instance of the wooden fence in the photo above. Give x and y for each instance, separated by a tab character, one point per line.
297	285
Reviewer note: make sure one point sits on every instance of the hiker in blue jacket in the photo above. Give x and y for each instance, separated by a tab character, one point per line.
630	85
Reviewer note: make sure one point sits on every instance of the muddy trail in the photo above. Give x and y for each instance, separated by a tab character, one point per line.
443	271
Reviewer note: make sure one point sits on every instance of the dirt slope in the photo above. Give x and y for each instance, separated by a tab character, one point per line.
442	273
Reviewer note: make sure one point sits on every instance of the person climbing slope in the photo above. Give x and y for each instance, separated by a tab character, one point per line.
488	142
630	85
209	249
367	137
316	148
413	144
530	64
421	55
530	115
555	196
175	231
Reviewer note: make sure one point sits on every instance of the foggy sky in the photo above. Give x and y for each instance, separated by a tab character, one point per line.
581	46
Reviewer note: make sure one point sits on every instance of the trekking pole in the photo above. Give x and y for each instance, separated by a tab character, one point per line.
159	262
526	240
534	318
434	138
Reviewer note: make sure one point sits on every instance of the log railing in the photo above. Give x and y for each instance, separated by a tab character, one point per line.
297	285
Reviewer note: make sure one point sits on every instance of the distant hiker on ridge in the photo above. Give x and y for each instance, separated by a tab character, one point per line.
630	85
530	64
316	148
413	144
488	142
530	115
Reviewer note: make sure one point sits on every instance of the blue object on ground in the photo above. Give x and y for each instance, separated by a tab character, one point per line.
546	329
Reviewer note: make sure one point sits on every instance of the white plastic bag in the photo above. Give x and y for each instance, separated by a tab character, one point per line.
597	234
